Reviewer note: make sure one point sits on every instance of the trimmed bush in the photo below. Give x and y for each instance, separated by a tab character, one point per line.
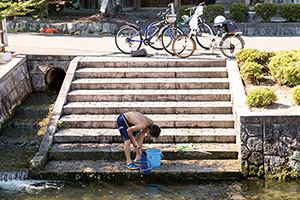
285	67
253	55
291	12
211	11
265	10
260	97
181	11
253	71
239	12
295	92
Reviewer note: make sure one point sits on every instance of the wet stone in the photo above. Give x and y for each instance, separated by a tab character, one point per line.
256	158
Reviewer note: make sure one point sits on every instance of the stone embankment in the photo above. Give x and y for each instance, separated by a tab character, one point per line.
248	29
64	28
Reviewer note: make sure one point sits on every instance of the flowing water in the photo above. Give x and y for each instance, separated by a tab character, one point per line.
19	140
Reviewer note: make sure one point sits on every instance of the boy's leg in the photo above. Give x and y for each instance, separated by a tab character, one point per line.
127	151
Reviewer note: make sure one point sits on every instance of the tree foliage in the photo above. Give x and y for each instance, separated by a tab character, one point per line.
10	8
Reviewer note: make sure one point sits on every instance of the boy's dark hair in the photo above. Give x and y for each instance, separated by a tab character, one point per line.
154	130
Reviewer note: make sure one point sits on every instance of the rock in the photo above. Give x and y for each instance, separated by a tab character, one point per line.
20	27
11	26
256	158
82	27
109	28
33	27
64	28
255	144
245	153
72	28
95	28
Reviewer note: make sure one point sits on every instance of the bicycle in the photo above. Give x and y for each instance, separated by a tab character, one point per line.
130	36
203	30
229	42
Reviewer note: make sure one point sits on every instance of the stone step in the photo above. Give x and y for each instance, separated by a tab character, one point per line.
148	62
210	107
172	72
151	83
179	135
164	121
149	95
182	169
115	151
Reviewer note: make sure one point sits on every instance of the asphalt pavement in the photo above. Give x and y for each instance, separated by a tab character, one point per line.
46	44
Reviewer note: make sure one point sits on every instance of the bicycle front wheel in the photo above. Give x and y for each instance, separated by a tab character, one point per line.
169	34
128	39
230	45
184	46
204	35
153	31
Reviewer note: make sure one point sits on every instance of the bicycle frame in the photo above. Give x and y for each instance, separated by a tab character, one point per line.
144	30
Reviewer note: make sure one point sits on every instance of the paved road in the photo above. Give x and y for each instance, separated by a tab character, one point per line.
35	43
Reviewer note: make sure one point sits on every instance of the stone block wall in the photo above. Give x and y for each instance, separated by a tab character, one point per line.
65	28
266	141
269	141
39	65
15	84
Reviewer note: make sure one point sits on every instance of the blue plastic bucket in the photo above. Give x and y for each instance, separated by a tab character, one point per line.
154	156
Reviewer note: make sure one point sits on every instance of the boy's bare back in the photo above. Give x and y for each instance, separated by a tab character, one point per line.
136	118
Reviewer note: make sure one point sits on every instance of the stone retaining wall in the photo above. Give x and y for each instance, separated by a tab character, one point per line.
248	29
269	141
64	28
269	29
266	141
15	84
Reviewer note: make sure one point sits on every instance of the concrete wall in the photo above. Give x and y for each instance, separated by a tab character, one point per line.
23	75
269	29
15	84
39	65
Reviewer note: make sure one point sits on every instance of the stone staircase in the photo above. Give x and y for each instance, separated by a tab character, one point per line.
189	99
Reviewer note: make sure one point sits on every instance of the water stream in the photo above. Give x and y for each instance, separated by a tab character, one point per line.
19	140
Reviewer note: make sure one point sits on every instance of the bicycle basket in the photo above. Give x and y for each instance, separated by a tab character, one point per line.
171	19
231	27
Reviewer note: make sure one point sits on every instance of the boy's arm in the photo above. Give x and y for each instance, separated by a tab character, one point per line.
132	129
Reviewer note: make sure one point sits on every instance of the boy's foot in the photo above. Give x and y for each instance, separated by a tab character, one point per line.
137	161
132	166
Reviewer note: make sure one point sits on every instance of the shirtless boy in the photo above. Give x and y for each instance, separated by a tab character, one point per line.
134	124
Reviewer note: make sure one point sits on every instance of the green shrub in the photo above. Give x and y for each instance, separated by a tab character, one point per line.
253	55
285	67
260	97
295	92
239	12
266	10
181	11
253	71
211	11
291	12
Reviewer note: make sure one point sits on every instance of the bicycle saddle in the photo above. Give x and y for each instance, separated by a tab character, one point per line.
140	21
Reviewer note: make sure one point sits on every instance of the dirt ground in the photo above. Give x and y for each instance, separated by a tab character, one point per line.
285	103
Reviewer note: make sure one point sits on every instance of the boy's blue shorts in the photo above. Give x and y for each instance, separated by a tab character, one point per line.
123	126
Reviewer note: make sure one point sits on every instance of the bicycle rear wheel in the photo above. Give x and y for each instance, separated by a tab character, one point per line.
128	39
169	34
204	35
230	45
155	41
184	46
